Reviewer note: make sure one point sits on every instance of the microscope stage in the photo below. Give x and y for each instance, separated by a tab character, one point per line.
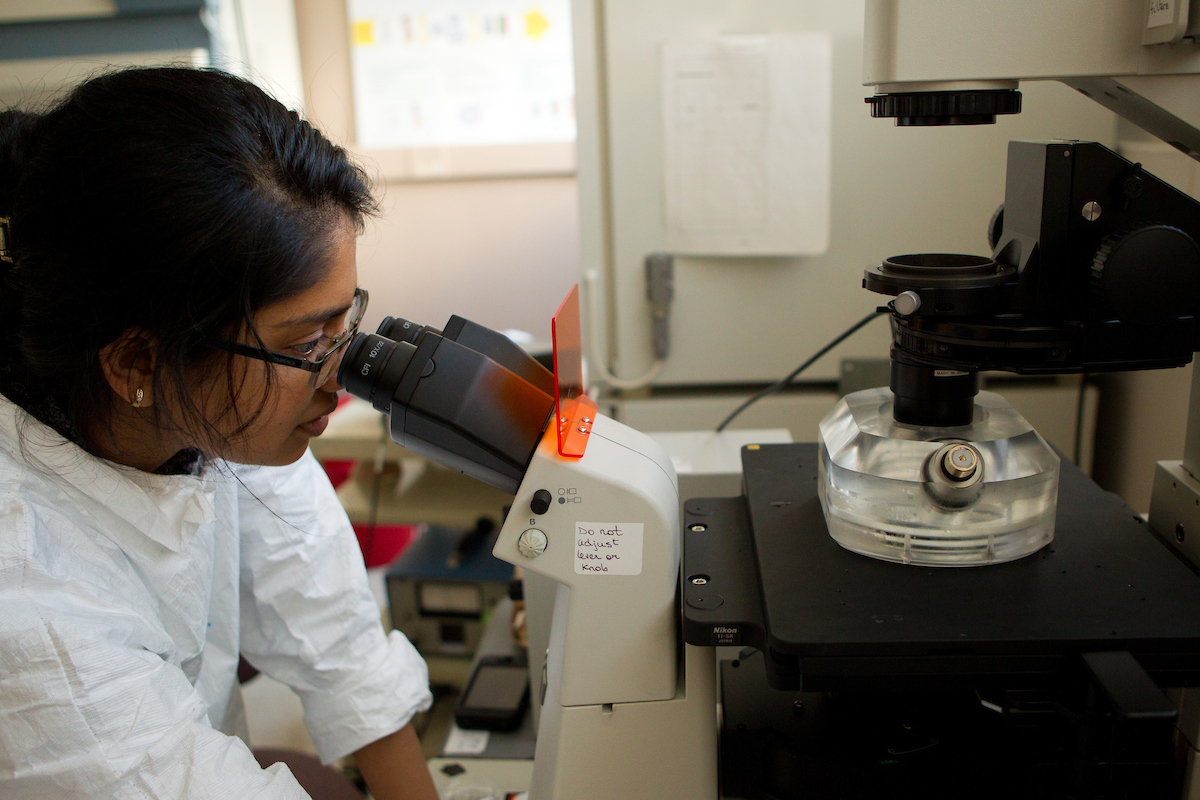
830	618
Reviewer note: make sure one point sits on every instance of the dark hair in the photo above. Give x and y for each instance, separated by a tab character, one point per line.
171	200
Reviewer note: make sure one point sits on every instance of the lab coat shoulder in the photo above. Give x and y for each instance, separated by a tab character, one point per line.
88	708
94	701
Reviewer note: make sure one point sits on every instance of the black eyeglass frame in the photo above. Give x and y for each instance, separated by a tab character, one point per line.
273	357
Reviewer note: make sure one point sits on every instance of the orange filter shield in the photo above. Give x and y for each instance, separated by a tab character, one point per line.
575	411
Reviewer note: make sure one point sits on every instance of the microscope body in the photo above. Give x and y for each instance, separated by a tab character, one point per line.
626	708
625	713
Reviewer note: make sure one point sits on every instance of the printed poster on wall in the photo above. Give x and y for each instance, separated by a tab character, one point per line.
747	126
453	73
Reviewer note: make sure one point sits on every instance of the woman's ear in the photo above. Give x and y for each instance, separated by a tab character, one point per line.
128	364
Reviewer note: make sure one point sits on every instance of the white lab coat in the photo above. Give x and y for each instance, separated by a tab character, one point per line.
125	598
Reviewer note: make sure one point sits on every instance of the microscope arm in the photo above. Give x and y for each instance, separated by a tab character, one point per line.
975	47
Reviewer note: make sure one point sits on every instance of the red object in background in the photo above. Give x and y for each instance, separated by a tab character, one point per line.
338	470
386	542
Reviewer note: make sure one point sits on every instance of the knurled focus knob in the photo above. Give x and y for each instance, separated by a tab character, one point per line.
1147	276
540	503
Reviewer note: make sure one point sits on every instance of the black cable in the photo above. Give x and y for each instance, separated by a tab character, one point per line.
775	387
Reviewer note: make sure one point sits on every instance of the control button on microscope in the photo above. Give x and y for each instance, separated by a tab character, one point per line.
540	503
531	543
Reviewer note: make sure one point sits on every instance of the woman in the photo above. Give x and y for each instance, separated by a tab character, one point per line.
178	278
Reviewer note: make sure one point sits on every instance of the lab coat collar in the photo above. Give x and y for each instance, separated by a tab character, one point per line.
167	509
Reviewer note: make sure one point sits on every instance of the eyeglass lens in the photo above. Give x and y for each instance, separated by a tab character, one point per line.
330	357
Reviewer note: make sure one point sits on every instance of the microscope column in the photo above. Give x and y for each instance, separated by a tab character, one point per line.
622	716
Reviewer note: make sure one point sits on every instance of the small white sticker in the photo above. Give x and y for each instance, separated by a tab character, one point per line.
465	743
608	548
1162	12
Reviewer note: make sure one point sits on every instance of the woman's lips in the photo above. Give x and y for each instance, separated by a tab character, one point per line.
316	426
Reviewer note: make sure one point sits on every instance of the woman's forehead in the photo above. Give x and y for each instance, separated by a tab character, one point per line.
329	297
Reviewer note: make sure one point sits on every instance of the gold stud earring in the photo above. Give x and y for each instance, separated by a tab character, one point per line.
137	398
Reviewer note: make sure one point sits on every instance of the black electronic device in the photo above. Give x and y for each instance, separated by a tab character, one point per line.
480	408
1095	267
496	696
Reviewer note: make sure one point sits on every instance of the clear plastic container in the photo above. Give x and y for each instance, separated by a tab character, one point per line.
959	496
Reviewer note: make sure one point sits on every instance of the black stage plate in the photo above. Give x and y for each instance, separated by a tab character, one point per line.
783	585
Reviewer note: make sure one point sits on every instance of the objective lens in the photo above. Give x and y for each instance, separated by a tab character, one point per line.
373	366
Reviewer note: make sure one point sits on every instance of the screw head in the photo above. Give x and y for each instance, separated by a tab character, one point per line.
582	429
699	580
960	462
1091	211
698	528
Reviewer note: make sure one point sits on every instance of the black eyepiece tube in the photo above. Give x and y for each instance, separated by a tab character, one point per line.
450	404
373	366
402	330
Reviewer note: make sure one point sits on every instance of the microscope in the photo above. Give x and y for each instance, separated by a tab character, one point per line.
1036	668
627	708
1094	267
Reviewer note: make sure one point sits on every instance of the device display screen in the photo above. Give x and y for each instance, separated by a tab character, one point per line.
498	687
449	598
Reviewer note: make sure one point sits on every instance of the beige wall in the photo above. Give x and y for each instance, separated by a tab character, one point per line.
502	252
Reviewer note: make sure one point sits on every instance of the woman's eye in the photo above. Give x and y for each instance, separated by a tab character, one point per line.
307	348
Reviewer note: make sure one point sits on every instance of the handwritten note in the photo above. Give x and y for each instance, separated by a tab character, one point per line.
608	548
1162	12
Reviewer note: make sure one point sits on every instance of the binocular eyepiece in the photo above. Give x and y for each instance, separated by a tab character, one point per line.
465	397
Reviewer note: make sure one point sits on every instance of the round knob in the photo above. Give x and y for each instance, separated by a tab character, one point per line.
907	303
532	543
1148	276
540	503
